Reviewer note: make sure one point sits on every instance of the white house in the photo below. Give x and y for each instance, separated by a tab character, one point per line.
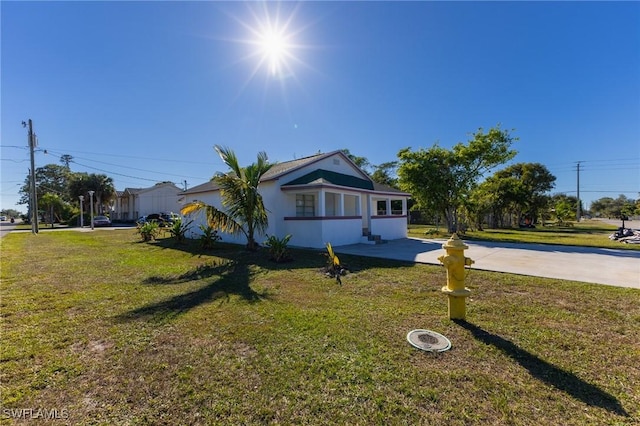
320	199
135	202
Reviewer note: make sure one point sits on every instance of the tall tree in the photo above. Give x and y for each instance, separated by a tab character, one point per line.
361	162
385	174
564	207
610	207
244	208
518	189
66	159
441	179
51	178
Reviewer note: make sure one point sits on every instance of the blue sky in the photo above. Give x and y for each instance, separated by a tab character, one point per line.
141	91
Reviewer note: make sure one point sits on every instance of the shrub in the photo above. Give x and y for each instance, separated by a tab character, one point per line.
178	230
278	250
148	231
209	237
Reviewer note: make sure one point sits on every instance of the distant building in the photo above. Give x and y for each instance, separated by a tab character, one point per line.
135	202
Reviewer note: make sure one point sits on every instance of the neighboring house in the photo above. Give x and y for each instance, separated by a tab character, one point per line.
320	199
135	202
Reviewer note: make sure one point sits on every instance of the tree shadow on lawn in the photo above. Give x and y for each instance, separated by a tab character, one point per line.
302	258
217	267
233	278
548	373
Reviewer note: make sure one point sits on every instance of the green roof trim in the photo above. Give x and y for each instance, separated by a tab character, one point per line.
334	178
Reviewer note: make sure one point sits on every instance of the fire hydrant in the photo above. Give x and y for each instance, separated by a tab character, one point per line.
455	261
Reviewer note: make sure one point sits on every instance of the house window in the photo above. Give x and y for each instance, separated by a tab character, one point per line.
305	205
331	204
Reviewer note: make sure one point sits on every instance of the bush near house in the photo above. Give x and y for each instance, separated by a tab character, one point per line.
278	250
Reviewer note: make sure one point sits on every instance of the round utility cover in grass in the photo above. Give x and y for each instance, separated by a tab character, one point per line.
428	340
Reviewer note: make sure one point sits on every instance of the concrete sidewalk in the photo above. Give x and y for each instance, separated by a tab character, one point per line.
587	264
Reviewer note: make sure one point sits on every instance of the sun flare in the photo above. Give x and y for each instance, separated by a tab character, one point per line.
275	50
272	38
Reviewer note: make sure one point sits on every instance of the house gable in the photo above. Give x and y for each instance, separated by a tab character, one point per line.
326	176
315	162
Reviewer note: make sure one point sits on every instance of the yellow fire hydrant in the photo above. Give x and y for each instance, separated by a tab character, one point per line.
455	261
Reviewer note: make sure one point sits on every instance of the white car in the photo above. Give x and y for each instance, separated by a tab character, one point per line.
3	218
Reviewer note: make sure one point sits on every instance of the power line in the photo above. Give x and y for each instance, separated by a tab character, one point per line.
128	167
114	173
170	160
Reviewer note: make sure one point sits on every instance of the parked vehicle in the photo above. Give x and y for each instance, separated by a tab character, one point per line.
3	218
101	221
171	217
163	219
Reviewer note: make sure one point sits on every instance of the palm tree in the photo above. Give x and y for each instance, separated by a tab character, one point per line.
245	211
81	183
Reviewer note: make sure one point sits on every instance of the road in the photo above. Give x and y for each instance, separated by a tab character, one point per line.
6	227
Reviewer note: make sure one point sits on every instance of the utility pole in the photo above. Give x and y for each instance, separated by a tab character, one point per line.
34	195
578	190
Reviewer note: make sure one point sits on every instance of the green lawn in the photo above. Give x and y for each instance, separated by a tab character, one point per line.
115	331
587	233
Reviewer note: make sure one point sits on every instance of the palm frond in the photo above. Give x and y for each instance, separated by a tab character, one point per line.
222	221
215	218
192	207
230	159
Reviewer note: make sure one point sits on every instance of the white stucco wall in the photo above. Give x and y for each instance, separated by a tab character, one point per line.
389	228
304	233
160	199
316	233
213	199
340	232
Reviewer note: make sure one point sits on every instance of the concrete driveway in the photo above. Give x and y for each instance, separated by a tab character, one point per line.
587	264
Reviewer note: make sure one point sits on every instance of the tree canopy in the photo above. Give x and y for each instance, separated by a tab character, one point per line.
441	179
51	178
519	189
102	185
615	208
383	173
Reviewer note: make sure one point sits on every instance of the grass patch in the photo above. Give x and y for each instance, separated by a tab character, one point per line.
115	331
586	233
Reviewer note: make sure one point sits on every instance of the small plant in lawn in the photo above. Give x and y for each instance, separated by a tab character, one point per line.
209	237
148	231
179	230
278	250
334	268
